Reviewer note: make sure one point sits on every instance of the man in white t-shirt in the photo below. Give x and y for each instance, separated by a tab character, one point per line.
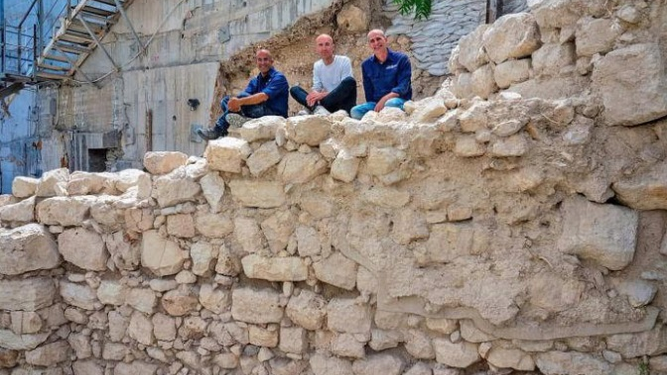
334	87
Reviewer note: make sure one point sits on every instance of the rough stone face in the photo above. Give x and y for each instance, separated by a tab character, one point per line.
299	168
275	269
256	306
25	322
135	368
311	130
164	327
516	145
175	188
81	296
323	365
142	299
307	310
471	49
181	225
112	292
347	315
644	191
10	340
24	187
21	212
131	178
383	160
161	256
248	234
337	270
83	248
47	184
260	194
213	225
27	294
278	229
378	364
140	328
179	302
512	36
216	300
461	354
468	147
596	35
386	197
551	58
632	82
263	337
263	128
202	254
352	19
163	162
265	157
555	362
511	72
213	187
227	154
632	345
293	340
49	354
511	358
63	210
605	234
345	167
27	248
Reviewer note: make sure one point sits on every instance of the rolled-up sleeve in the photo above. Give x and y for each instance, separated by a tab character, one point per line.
404	77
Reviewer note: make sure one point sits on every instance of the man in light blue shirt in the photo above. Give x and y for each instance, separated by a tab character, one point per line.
387	77
334	87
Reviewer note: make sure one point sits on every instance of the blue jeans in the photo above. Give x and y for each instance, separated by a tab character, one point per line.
251	111
359	111
344	96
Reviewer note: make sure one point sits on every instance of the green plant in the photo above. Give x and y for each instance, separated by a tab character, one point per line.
643	369
421	8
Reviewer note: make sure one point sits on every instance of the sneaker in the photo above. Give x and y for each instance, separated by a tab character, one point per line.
303	112
209	134
319	110
235	120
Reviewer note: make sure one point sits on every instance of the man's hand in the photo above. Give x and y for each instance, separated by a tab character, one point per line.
315	97
380	104
234	104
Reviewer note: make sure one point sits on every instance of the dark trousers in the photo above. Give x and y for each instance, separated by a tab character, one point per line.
344	96
251	111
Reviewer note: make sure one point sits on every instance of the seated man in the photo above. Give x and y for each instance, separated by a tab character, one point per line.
266	95
334	86
386	75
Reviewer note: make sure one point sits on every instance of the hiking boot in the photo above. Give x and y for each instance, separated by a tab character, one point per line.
235	120
209	134
319	110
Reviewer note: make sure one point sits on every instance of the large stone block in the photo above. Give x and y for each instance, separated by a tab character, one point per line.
47	184
83	248
323	365
551	14
603	233
257	306
260	194
27	294
511	358
163	257
471	49
646	190
84	183
278	229
511	72
227	154
512	36
632	82
213	187
134	178
307	310
263	128
551	58
460	354
175	188
81	296
345	167
265	157
64	211
596	36
557	363
24	187
311	130
385	364
275	269
348	315
10	340
49	354
483	81
20	212
135	368
27	248
337	270
299	168
162	162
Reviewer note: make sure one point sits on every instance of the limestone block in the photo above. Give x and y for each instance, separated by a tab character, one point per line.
257	306
227	154
24	322
557	362
471	49
471	333
174	188
181	225
449	241
324	365
551	58
418	344
20	212
265	157
260	194
337	270
248	234
84	183
27	248
311	130
226	360
11	341
366	281
228	264
117	326
140	328
483	82
462	85
64	211
461	354
213	225
26	294
515	145
384	160
125	255
511	72
112	292
507	128
550	292
179	302
512	36
382	339
293	340
419	368
605	234
307	310
428	110
262	336
202	254
80	343
468	147
475	118
81	296
386	197
278	229
348	315
94	255
142	299
164	327
114	352
24	187
345	166
216	300
262	128
389	364
346	345
308	242
130	178
454	65
640	293
351	19
47	184
87	368
596	35
274	269
632	345
658	363
644	190
511	358
163	162
564	13
161	256
135	368
300	168
49	354
213	187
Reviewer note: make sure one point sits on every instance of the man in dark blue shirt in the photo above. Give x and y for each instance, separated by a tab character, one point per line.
266	95
387	77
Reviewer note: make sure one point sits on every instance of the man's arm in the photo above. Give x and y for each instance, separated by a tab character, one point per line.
368	84
235	103
404	76
318	92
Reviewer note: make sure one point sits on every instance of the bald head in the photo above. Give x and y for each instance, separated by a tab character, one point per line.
324	46
378	43
264	60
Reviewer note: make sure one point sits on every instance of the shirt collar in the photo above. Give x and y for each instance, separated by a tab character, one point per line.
269	75
390	54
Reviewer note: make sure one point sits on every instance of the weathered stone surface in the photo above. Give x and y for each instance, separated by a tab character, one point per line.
216	300
87	368
228	264
384	160
605	234
81	296
346	345
140	328
161	256
640	293
515	145
483	82
352	19
27	248
293	340
307	310
323	365
10	340
8	358
468	147
348	315
49	354
135	368
299	168
25	322
47	184
644	191
275	269
265	157
164	327
163	162
257	306
556	362
248	234
382	339
262	128
471	49
510	358
27	294
260	194
63	210
24	187
337	270
632	345
181	225
386	197
512	36
462	85
345	167
311	130
131	178
175	188
551	58
227	154
142	299
461	354
632	82
112	292
308	242
83	248
203	255
596	35
511	72
441	325
278	229
418	344
179	302
263	337
20	212
378	364
428	110
213	187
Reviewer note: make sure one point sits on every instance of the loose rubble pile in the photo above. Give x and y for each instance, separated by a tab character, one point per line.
463	236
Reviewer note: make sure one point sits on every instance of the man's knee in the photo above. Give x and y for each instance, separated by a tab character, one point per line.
349	82
395	102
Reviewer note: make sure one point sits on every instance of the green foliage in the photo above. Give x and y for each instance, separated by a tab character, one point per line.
643	369
421	8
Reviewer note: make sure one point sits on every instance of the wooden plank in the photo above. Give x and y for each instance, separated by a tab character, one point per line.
54	58
54	67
